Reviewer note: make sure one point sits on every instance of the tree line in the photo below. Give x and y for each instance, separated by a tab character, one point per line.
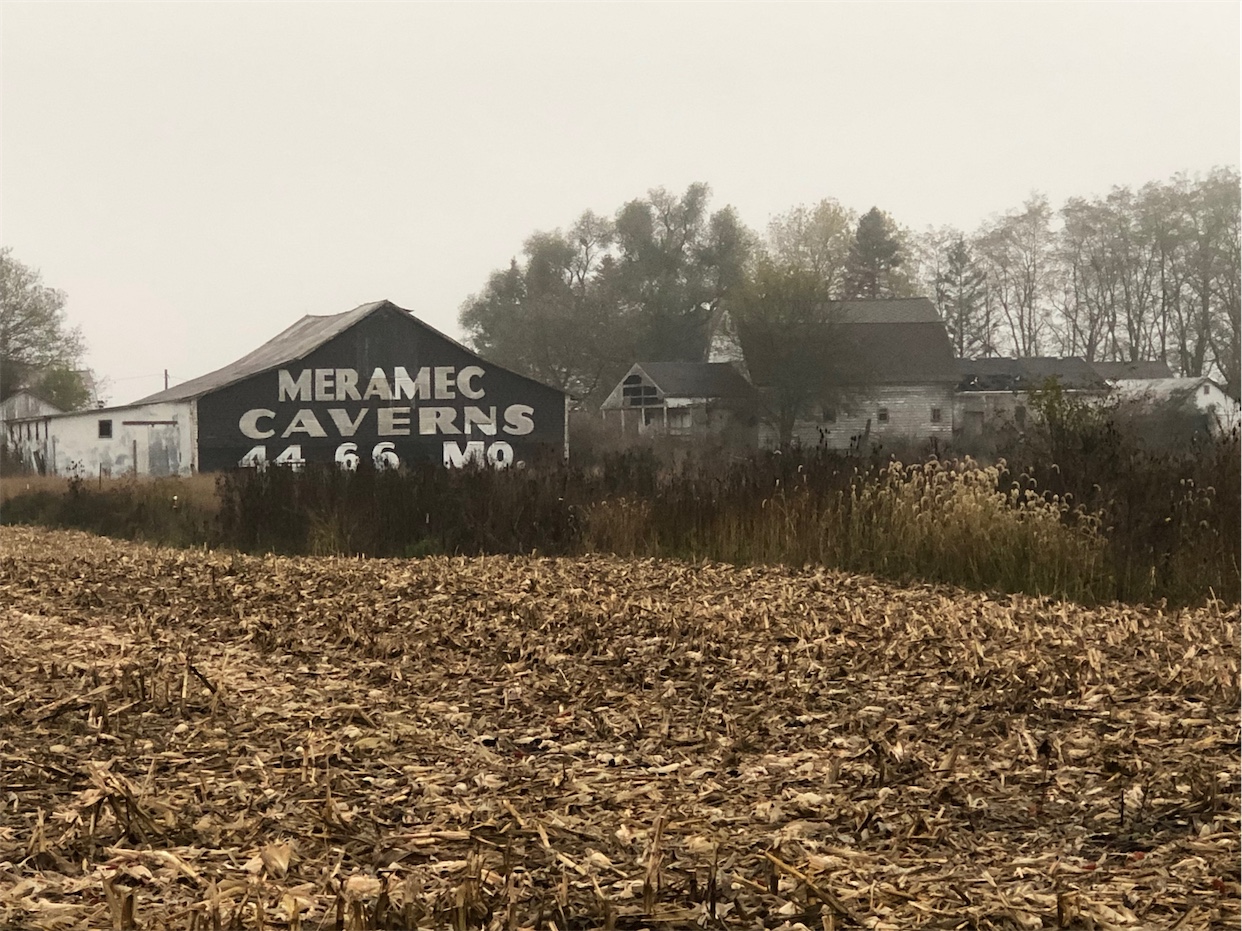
1129	276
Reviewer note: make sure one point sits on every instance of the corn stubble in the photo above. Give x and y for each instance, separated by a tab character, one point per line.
197	740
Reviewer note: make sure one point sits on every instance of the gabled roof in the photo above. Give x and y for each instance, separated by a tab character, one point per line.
1161	390
884	342
1025	374
296	342
1114	371
697	379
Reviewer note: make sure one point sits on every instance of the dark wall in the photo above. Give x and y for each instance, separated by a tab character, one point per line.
391	387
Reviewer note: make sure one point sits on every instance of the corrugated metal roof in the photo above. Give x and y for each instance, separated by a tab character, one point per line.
296	342
698	379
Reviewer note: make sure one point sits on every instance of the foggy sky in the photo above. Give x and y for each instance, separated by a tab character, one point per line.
198	176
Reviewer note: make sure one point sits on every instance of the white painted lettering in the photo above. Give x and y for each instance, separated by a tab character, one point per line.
344	425
444	383
413	388
432	420
347	385
500	455
465	377
377	387
518	419
393	421
456	458
485	420
291	390
249	424
304	421
325	390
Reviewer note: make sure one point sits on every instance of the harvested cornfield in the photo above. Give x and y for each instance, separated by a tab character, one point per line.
203	740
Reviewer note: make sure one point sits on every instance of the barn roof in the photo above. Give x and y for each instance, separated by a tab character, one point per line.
1025	373
1115	371
698	379
296	342
900	341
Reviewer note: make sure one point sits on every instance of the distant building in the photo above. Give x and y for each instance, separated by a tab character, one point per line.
992	394
685	399
374	382
25	424
1171	412
901	383
900	386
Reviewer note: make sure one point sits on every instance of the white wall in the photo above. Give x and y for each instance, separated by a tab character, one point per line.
148	439
909	409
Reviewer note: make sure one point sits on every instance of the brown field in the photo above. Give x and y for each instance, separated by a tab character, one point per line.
202	740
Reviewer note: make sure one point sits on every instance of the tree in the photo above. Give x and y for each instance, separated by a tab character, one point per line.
674	264
961	291
1017	251
795	341
36	341
875	266
815	240
547	317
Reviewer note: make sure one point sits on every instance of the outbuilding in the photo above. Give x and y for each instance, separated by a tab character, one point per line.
373	383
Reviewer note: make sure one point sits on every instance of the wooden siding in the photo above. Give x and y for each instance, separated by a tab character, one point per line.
909	410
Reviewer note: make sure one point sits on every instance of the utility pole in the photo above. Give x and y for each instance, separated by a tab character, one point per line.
165	379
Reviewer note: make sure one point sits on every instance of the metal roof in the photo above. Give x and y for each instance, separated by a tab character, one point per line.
296	342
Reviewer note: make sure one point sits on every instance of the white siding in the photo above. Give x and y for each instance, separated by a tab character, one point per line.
909	418
148	439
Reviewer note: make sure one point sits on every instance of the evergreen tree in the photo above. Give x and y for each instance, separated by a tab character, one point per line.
960	298
874	268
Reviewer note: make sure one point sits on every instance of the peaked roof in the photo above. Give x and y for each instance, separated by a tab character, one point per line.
1025	373
697	379
884	342
290	345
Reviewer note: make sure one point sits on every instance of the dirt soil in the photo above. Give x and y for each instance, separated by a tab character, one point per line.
203	740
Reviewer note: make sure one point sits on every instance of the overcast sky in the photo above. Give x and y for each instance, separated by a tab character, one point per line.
197	176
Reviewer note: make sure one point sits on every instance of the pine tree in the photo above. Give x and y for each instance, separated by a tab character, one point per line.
960	293
874	267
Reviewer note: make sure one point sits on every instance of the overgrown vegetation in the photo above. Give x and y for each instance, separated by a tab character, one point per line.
1074	510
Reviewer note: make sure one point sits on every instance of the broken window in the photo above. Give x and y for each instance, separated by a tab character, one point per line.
636	393
105	429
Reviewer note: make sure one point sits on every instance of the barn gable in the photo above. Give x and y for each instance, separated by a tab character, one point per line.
376	383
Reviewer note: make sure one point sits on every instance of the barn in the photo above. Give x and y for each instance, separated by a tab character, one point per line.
373	383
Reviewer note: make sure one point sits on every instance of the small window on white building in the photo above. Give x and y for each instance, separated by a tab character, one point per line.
829	415
882	415
935	415
105	429
1207	389
1019	415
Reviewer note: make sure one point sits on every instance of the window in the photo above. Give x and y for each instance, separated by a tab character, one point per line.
935	415
882	415
828	415
1206	389
105	429
1019	415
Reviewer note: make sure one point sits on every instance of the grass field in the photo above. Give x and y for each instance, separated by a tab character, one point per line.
196	739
